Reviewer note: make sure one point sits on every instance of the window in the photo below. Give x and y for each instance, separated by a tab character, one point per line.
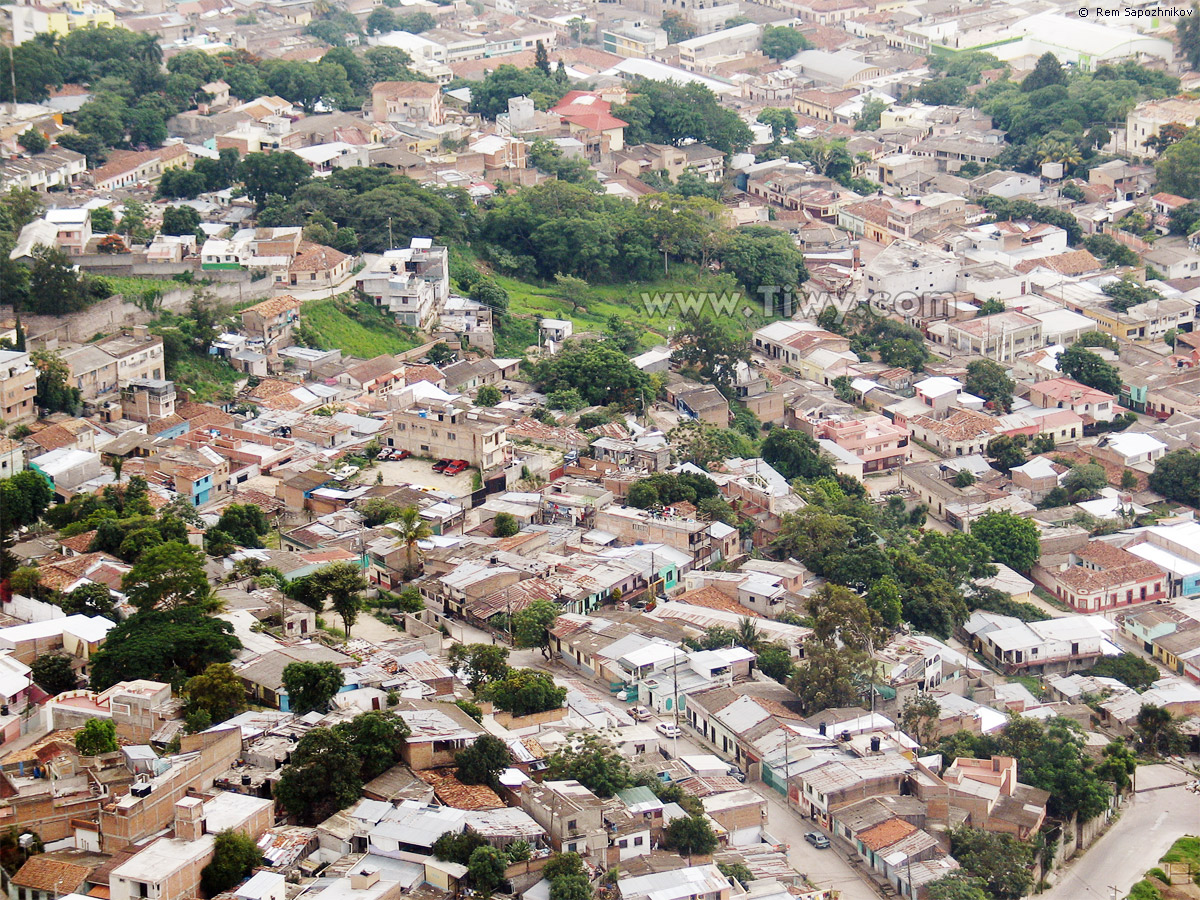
637	841
572	825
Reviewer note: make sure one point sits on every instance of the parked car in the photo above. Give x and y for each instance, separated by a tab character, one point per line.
456	466
668	729
441	464
385	454
735	772
818	840
640	713
400	454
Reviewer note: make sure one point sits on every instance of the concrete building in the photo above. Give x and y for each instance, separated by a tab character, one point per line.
444	430
1146	120
411	283
18	386
139	354
272	320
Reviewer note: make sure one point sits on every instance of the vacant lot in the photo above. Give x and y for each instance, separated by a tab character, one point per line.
419	472
356	328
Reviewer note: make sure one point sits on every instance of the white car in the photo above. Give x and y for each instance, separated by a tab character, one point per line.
640	713
668	729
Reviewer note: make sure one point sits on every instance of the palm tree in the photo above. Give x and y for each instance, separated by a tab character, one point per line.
411	528
748	634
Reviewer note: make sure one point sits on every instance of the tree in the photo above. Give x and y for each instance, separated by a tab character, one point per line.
524	692
1048	71
531	625
1117	765
410	528
488	395
244	523
775	661
1157	730
990	381
376	738
1178	168
486	869
97	736
180	220
571	887
1088	368
381	21
377	511
54	389
673	113
920	719
52	672
1128	668
163	645
505	525
342	583
690	836
1001	861
714	347
457	847
1188	32
870	114
235	855
167	576
322	777
793	454
1084	482
33	141
218	691
782	42
766	262
478	664
1176	476
1013	540
541	59
311	686
593	762
956	886
677	27
781	121
281	172
482	761
599	373
23	499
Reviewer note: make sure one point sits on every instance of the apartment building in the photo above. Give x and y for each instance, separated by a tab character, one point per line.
572	816
18	387
878	441
1038	648
148	399
442	430
139	354
412	283
413	102
639	526
1146	120
1001	337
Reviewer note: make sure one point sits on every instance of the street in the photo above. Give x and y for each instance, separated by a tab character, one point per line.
1149	824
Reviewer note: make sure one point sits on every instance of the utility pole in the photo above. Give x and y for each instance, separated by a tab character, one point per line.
391	242
675	676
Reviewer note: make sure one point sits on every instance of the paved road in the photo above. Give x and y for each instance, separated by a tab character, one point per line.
1149	824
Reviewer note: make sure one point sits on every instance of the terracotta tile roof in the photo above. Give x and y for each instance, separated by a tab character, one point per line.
158	426
453	793
1086	581
275	306
122	161
42	874
395	89
1073	262
712	598
422	372
886	833
54	437
79	543
203	414
316	258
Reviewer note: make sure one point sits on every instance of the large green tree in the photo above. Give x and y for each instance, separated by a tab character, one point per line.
235	855
990	381
281	173
531	625
322	777
167	576
1013	540
377	739
310	686
1001	861
593	762
218	691
163	645
523	692
1090	369
1176	476
482	761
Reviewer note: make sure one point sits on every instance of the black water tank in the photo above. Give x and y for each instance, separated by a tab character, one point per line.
875	743
822	729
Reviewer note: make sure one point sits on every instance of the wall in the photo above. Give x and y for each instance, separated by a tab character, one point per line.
29	610
114	313
507	720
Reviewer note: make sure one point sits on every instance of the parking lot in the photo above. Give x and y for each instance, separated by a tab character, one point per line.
420	472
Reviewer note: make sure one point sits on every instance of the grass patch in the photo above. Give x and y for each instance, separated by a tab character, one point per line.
355	327
205	378
1032	684
1046	597
1184	850
531	301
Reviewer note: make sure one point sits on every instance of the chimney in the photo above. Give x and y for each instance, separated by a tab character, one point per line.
364	878
141	331
189	819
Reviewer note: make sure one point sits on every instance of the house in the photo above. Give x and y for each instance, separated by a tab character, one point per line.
18	386
1131	449
1061	645
66	468
439	731
444	430
316	267
1065	393
263	677
410	102
57	167
127	168
571	815
1002	336
12	458
690	883
1100	576
139	354
1145	121
272	321
588	119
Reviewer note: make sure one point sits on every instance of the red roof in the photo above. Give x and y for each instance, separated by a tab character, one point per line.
587	110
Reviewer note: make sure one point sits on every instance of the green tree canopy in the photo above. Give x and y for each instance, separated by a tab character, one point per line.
1013	540
163	645
593	762
218	691
97	736
523	692
167	576
376	738
482	761
322	777
52	672
235	856
310	686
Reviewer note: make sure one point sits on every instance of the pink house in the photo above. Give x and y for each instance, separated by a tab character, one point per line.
1064	393
878	441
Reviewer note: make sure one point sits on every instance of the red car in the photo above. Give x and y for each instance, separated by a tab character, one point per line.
442	464
400	454
459	465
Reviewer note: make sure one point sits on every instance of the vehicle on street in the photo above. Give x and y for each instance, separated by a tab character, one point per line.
640	713
735	772
817	839
668	729
385	454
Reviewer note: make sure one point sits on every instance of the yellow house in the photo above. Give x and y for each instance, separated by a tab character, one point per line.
30	21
